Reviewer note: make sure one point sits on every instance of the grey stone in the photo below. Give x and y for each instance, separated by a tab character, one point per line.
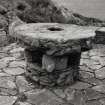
7	100
80	85
3	10
44	80
18	64
4	61
81	62
102	101
85	68
8	91
23	85
93	52
95	58
93	81
14	71
94	102
7	86
66	78
18	55
2	64
60	93
76	97
8	59
48	63
70	93
102	61
100	74
99	88
52	36
9	47
99	38
16	50
85	75
43	97
2	74
7	82
92	94
85	55
3	54
23	103
95	67
90	64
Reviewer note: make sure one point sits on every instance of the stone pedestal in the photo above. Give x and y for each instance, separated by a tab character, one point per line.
53	51
50	70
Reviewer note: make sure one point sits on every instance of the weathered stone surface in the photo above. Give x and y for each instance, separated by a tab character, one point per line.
2	54
91	64
18	56
4	74
56	49
92	94
64	74
86	75
23	103
93	81
22	84
76	97
38	99
102	101
7	86
48	63
93	103
100	33
8	92
85	68
7	82
100	74
99	88
80	85
4	61
17	64
3	10
9	47
95	67
85	55
6	100
8	59
2	64
60	93
55	30
16	50
14	71
3	37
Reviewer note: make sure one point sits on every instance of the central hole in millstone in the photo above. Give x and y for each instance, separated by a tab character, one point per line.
55	29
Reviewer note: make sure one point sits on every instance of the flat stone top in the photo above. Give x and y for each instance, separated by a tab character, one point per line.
54	31
102	29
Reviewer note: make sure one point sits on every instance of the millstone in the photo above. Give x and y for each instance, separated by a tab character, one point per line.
53	51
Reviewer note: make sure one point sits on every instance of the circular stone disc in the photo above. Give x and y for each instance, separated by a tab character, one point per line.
54	31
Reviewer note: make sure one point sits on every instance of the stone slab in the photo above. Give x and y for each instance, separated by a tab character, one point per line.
100	35
53	34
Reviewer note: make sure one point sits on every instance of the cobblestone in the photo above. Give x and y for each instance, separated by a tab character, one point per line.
14	71
16	90
100	74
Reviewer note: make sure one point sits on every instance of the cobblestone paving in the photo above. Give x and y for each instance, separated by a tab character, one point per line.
16	90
